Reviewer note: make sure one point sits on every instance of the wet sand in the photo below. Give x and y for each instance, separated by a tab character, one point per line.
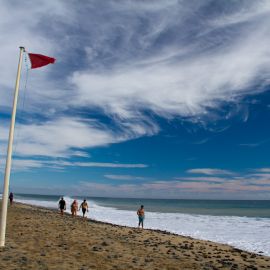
39	238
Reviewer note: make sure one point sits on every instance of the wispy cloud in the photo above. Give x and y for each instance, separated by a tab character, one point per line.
68	136
62	137
27	164
206	179
217	188
185	82
203	141
109	165
131	62
255	144
263	170
209	171
244	14
248	185
124	177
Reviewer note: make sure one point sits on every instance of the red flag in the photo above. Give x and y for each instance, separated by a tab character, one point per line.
39	60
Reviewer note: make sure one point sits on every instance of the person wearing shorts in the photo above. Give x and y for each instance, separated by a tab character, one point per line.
140	214
84	207
62	206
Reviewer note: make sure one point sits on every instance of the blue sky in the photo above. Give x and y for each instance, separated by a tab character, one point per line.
158	99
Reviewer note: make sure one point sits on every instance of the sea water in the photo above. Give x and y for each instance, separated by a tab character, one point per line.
242	224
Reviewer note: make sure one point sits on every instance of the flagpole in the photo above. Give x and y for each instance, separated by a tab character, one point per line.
9	155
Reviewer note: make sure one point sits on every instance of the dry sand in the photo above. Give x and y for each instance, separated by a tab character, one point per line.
39	238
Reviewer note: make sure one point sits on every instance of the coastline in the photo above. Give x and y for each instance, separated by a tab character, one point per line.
39	238
243	232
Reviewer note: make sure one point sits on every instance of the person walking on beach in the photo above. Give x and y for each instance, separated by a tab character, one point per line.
84	207
62	206
140	214
11	197
74	208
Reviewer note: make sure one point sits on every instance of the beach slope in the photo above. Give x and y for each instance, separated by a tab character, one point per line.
39	238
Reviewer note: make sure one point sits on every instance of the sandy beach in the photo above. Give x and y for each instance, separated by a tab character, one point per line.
39	238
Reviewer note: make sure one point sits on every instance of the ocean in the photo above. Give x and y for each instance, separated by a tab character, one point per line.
242	224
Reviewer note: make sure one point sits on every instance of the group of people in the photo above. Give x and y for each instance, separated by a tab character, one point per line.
73	207
84	206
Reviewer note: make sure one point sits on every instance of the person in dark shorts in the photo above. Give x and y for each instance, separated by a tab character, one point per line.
140	214
62	205
84	207
11	197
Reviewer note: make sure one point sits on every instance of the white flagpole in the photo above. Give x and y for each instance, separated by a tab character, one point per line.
9	155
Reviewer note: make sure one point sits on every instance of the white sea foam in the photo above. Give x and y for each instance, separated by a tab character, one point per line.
247	233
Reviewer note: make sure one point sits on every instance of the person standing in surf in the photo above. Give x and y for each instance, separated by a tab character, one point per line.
74	208
140	214
62	206
84	207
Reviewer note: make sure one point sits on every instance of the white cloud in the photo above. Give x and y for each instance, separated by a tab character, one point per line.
23	164
254	144
206	179
54	142
59	137
109	165
67	137
184	82
133	59
58	164
185	88
62	138
246	186
263	170
124	177
178	189
210	171
21	24
247	12
181	77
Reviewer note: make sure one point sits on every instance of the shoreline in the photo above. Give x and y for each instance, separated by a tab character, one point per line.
40	238
228	237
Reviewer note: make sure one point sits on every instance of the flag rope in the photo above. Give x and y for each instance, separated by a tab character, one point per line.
17	135
26	79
